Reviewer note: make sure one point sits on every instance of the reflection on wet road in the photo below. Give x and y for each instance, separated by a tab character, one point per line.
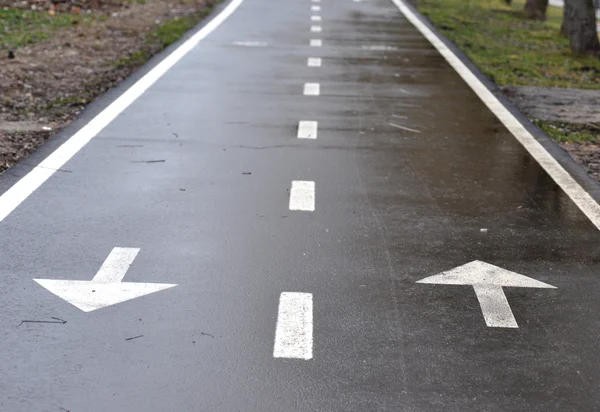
311	210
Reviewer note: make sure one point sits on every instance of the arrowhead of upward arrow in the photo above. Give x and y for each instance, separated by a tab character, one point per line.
106	288
488	281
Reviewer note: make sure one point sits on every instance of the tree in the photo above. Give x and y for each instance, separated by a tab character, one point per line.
579	25
536	9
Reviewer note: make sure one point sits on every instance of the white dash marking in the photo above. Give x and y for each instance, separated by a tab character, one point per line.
316	29
29	183
312	89
378	47
578	195
315	8
316	1
316	42
250	43
307	129
404	128
315	18
313	62
294	330
115	266
302	195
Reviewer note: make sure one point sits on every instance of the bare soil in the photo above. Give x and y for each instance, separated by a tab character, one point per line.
577	109
46	85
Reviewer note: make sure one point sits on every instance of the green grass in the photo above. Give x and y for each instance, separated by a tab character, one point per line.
570	132
510	49
20	28
170	31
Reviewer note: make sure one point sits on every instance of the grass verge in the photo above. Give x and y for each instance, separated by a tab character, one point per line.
510	49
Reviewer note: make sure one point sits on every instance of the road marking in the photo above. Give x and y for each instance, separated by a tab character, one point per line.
106	288
404	128
378	47
316	43
116	265
316	1
294	330
250	43
312	89
487	281
313	62
302	195
315	8
315	18
307	129
21	190
562	178
316	29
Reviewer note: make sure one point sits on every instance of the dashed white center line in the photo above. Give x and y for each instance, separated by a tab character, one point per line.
250	43
379	47
307	129
315	18
316	43
294	331
315	8
316	29
312	89
313	62
302	195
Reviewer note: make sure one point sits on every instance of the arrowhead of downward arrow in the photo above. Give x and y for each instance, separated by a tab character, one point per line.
481	273
89	296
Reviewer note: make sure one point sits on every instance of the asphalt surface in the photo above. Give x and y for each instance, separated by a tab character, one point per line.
197	173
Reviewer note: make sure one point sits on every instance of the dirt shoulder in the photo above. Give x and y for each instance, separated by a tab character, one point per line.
60	56
532	63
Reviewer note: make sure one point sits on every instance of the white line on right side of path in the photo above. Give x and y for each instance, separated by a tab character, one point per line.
294	330
302	196
569	185
29	183
312	89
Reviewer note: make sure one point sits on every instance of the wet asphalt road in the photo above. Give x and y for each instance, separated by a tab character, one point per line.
197	172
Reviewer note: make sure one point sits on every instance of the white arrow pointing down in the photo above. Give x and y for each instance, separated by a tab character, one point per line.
106	288
488	280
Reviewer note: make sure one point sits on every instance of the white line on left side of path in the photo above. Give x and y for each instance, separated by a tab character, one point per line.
294	330
302	196
21	190
312	89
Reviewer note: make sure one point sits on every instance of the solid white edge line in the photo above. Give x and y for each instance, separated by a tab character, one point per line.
294	329
23	188
312	89
578	195
307	129
302	196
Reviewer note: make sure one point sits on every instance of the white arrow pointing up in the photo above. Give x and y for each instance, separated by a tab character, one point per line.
488	281
106	288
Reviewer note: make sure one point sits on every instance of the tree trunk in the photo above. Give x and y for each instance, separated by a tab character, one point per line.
536	9
580	26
